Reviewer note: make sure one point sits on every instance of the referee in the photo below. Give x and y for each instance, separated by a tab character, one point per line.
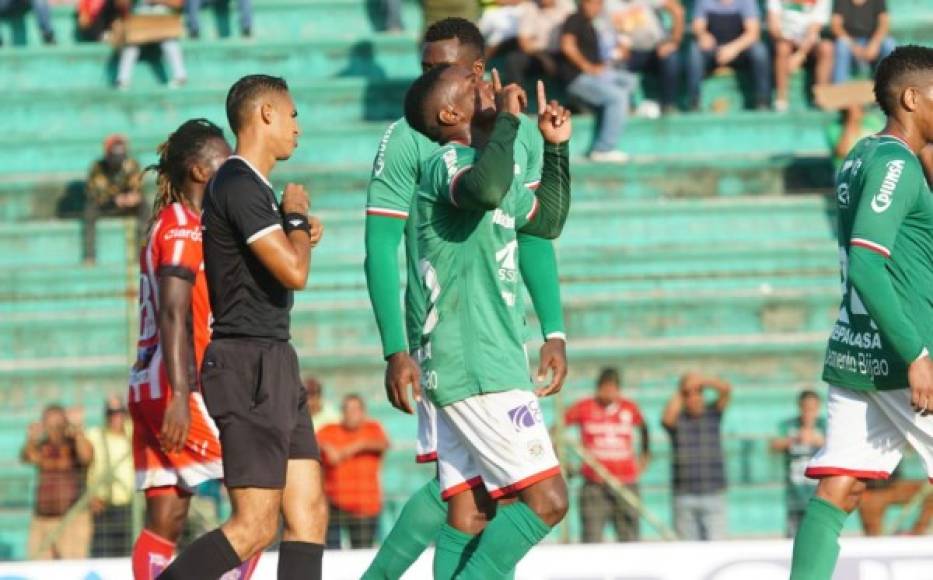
256	253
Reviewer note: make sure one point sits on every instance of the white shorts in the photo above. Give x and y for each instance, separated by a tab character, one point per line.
497	440
426	447
867	433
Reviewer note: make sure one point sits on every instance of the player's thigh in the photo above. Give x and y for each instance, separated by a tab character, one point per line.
304	505
862	441
916	429
470	510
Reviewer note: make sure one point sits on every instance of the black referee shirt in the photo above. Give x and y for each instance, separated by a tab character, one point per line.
246	299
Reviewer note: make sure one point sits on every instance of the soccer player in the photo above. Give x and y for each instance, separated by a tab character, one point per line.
175	444
878	363
256	253
396	173
492	442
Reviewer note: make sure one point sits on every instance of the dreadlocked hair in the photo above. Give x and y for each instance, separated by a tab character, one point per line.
176	155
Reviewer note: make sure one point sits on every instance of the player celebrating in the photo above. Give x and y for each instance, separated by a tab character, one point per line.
396	173
175	445
492	442
878	364
256	253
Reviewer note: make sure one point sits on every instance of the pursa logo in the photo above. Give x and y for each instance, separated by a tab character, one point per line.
525	416
883	198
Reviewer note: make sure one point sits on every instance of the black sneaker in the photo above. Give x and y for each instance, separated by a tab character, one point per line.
247	33
194	34
48	38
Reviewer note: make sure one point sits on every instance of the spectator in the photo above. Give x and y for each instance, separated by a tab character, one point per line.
698	468
168	41
860	28
193	16
95	17
796	27
114	188
728	33
855	123
322	414
644	45
43	17
499	23
590	79
608	423
538	42
61	453
352	452
111	481
799	439
392	16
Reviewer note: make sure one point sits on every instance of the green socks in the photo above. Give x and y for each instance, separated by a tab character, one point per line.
417	526
816	546
493	554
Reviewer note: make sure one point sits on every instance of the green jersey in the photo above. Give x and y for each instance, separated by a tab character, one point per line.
884	207
395	178
799	488
472	339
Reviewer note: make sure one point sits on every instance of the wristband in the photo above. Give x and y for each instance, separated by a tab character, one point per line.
297	221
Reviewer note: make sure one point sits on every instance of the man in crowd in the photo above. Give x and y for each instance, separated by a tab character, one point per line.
43	17
114	188
860	28
644	44
352	451
728	33
61	453
193	16
608	425
590	78
698	468
322	413
538	41
799	438
795	27
110	480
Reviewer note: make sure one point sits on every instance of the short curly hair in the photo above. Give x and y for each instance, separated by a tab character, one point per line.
461	29
418	100
897	69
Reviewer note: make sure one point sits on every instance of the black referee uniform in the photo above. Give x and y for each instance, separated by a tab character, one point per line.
250	375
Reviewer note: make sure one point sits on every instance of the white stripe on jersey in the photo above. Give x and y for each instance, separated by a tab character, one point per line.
180	216
177	252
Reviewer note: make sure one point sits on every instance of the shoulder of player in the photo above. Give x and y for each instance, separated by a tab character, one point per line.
234	173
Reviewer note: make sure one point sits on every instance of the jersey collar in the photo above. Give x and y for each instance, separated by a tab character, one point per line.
253	169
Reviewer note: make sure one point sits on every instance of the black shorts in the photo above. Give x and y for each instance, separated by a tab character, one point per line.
253	391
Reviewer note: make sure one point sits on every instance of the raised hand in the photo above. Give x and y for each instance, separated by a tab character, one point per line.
553	119
510	98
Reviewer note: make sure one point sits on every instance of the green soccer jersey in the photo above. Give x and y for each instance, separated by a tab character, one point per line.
472	338
395	178
799	488
885	207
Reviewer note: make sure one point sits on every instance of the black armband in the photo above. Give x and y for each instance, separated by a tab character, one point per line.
296	221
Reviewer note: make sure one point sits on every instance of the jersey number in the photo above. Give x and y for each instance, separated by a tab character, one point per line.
856	306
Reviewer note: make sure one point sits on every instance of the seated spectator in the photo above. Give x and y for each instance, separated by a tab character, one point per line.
95	17
799	438
499	23
796	27
644	45
728	33
244	9
114	188
392	16
590	78
43	17
538	42
322	414
111	481
608	425
61	453
860	28
351	452
171	49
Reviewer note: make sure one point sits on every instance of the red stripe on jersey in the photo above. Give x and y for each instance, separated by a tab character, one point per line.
869	245
818	472
392	213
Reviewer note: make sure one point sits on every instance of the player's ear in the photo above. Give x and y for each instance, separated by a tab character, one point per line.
199	173
266	112
448	116
479	67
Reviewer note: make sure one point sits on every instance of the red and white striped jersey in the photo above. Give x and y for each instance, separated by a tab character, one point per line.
174	248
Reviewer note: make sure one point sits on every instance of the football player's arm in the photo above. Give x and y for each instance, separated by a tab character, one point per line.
175	288
485	184
880	216
553	195
538	265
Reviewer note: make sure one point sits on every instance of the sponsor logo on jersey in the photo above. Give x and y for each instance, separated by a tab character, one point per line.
525	416
500	218
535	448
450	160
380	163
842	194
885	195
183	234
847	336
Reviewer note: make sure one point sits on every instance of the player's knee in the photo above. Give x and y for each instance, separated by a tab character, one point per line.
549	501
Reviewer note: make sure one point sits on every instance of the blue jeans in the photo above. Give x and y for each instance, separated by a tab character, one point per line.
755	58
43	15
611	93
669	69
193	14
842	66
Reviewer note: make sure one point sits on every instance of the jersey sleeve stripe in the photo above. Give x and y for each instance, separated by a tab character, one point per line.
869	245
177	252
263	232
386	212
533	185
180	216
453	183
557	334
533	211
